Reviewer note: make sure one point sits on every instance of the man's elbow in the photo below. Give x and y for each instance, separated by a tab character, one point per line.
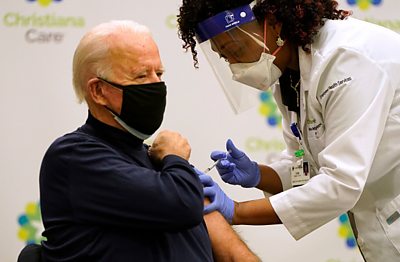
191	213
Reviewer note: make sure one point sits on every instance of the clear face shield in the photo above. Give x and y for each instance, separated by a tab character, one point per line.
233	42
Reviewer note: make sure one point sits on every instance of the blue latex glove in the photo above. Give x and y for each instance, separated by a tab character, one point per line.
219	200
235	167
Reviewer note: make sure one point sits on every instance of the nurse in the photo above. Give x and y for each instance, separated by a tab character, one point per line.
336	81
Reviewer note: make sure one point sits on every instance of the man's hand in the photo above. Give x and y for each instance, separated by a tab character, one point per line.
169	143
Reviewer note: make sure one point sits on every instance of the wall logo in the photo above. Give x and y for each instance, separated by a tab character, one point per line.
44	3
42	28
346	232
31	224
268	109
364	4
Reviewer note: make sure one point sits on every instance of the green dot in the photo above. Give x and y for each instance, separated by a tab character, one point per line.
171	22
299	153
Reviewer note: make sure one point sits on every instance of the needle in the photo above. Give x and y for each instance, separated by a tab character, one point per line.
208	169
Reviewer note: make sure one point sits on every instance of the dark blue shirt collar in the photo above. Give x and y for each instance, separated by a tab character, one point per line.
111	134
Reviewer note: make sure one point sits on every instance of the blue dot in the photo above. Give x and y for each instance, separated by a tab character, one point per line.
272	120
264	96
343	218
57	0
23	219
351	242
351	2
30	241
376	2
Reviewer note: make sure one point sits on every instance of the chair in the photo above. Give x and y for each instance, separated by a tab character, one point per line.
30	253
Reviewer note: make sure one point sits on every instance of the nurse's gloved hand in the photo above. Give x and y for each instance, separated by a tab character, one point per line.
219	200
235	167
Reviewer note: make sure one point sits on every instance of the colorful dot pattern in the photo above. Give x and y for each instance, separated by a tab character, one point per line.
28	231
346	232
364	4
269	110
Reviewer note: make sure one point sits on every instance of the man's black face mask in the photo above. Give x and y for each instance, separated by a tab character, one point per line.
143	106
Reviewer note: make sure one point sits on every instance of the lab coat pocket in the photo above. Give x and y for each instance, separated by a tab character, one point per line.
316	144
389	217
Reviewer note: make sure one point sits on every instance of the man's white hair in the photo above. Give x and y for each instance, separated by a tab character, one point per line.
92	52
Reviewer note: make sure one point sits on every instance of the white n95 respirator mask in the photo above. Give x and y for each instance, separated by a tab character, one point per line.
260	75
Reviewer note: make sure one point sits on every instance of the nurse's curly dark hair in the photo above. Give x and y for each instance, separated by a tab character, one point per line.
300	19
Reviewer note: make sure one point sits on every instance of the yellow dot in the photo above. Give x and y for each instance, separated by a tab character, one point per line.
363	4
343	231
44	2
23	234
31	208
264	110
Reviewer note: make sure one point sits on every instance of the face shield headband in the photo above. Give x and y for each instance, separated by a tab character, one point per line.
223	22
228	38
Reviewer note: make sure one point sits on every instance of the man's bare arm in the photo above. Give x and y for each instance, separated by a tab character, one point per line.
226	243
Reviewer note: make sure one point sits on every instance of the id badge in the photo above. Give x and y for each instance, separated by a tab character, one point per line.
300	172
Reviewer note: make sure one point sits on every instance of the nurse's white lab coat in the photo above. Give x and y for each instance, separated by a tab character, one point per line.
350	123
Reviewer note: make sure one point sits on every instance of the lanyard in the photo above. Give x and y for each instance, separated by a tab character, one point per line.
297	133
300	169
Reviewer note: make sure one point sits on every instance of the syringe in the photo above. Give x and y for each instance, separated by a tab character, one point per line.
208	169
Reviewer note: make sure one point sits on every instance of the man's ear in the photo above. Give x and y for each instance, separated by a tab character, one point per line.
95	91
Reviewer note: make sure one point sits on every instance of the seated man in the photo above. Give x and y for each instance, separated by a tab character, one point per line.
107	196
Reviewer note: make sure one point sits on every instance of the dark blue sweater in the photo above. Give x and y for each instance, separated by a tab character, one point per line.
102	199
